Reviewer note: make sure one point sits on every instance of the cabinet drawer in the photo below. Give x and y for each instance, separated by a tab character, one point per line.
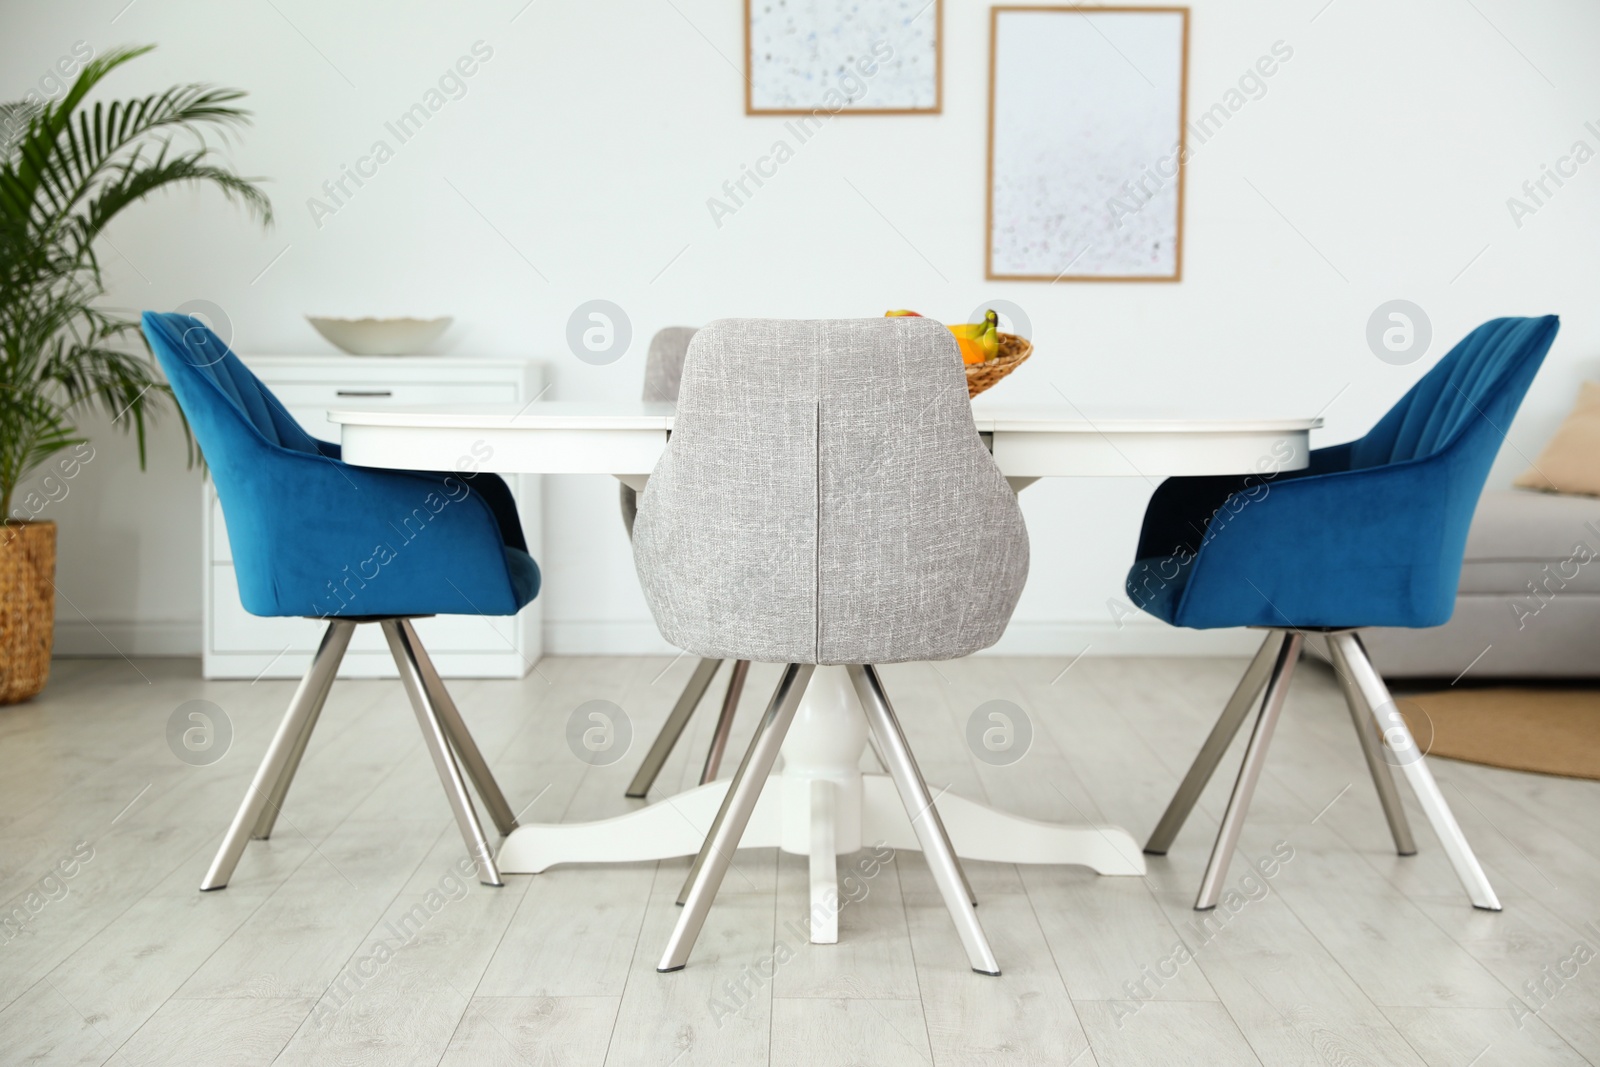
309	402
234	630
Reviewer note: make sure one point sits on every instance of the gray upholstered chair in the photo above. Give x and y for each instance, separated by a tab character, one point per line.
826	499
663	370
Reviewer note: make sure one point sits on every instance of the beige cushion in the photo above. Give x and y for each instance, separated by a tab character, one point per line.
1570	463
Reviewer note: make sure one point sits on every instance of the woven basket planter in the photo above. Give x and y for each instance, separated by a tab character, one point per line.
27	607
1013	350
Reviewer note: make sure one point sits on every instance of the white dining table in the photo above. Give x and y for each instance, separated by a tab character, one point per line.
820	803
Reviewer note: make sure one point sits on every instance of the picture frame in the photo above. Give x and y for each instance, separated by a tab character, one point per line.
1087	143
826	45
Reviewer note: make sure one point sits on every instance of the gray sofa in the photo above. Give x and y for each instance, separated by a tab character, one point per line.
1529	601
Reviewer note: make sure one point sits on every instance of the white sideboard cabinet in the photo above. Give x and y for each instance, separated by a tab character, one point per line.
241	645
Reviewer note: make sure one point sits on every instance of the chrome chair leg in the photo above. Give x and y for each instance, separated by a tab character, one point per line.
1255	756
402	643
1404	751
1364	719
1222	734
719	742
694	868
966	884
700	857
699	682
723	840
872	744
883	765
303	708
947	872
730	706
477	768
280	789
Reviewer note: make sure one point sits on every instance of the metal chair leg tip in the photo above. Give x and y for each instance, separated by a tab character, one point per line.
1485	907
670	970
213	888
1413	852
991	974
634	796
1155	852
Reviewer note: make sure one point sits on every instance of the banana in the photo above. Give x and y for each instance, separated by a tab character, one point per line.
979	342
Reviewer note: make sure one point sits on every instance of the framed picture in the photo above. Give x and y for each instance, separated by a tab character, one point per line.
1087	110
851	57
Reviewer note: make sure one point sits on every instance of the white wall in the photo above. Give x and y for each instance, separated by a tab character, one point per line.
1384	152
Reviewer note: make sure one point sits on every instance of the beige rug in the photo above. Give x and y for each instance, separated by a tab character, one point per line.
1549	731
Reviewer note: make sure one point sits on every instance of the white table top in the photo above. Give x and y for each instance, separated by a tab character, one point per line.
626	439
640	415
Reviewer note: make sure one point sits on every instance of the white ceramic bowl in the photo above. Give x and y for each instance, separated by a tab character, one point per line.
380	337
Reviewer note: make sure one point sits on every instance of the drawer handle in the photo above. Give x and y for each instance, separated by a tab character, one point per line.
366	392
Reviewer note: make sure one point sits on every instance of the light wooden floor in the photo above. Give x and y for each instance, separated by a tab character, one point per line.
1348	955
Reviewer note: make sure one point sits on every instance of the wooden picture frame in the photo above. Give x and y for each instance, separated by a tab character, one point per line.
751	106
1113	251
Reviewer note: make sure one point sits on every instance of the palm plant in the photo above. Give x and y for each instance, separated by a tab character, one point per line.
66	170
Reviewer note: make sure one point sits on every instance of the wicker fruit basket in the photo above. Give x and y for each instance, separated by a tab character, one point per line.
27	607
1013	350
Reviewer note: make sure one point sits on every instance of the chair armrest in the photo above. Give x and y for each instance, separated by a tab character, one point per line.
1396	533
1178	517
493	488
312	535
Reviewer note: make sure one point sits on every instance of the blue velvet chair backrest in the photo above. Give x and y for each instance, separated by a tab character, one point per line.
194	358
1468	398
311	535
1373	532
254	450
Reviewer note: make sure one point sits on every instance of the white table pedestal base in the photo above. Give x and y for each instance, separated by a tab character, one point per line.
820	805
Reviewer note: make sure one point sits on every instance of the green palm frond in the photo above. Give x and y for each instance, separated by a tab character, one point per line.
36	430
67	169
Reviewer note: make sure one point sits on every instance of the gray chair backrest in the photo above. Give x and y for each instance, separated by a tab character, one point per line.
663	370
825	498
663	366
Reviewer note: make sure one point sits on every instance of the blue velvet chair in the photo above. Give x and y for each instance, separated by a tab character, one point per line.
314	536
1372	533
